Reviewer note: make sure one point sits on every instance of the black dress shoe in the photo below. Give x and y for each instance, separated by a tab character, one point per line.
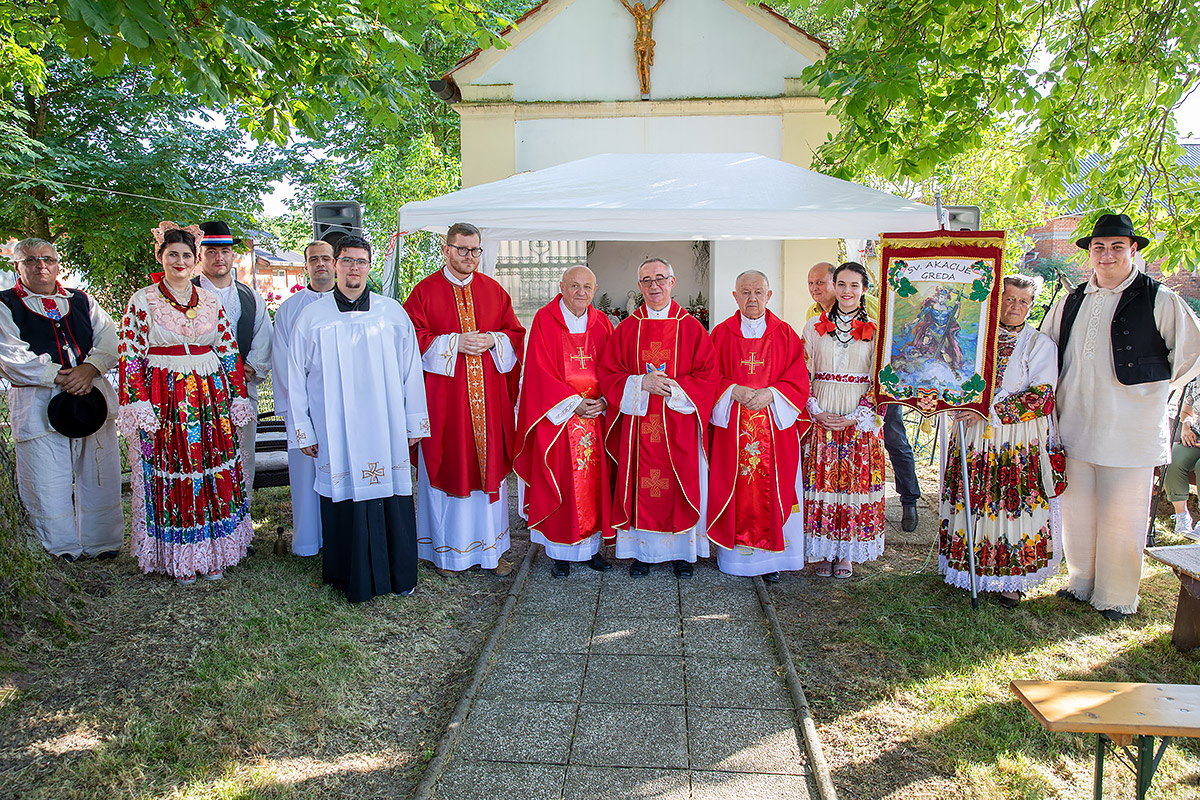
1009	602
67	557
107	554
561	569
909	521
599	564
1114	615
249	550
683	569
639	568
771	577
1067	594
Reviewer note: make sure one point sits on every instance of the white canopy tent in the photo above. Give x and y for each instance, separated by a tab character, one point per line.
667	197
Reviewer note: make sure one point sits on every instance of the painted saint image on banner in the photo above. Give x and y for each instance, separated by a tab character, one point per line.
936	335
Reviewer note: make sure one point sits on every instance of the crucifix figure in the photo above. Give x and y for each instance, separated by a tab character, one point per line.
643	43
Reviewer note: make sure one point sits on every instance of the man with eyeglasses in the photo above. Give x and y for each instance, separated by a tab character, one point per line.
306	507
246	313
471	345
56	341
659	378
357	402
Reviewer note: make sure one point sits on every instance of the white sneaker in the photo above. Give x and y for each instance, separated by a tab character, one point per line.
1194	533
1183	524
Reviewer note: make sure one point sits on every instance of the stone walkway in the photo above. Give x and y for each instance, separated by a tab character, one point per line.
608	686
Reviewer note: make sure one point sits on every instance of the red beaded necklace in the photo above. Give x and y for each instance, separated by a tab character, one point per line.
188	310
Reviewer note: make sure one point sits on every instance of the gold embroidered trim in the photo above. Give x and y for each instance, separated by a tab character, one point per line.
464	300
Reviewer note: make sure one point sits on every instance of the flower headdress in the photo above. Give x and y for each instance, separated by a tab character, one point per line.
163	227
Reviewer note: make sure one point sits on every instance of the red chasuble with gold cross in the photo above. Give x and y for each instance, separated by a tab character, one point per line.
569	493
752	473
472	414
658	455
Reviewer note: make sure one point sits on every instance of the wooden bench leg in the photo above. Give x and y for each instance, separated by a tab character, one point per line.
1186	635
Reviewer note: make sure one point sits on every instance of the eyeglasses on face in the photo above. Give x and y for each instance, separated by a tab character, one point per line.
659	281
466	251
354	262
33	261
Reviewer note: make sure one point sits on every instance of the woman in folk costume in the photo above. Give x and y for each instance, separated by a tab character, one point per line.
843	454
182	393
1015	468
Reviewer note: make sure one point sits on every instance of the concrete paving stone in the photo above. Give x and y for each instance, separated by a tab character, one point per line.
541	633
630	736
651	596
731	638
638	635
531	732
744	740
611	783
720	602
562	597
738	683
705	573
747	786
556	677
626	679
488	780
581	574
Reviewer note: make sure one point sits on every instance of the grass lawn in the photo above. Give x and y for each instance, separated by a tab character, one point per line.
266	684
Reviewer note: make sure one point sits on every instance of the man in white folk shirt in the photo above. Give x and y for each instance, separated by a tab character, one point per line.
357	399
1124	340
306	506
246	313
56	345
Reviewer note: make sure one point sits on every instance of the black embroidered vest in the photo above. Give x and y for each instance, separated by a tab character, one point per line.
54	337
1140	353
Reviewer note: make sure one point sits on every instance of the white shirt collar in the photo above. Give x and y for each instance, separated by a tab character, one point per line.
754	328
660	314
574	324
450	277
1092	286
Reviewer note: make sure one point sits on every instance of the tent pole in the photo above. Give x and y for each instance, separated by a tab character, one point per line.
937	204
970	523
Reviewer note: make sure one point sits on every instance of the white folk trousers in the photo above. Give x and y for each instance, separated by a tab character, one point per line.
72	489
1105	513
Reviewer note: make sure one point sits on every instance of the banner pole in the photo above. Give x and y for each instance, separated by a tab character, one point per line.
970	524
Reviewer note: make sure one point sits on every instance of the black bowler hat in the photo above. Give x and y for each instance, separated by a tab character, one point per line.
1113	225
217	234
78	416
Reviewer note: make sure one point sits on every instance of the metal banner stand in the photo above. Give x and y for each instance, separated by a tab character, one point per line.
970	525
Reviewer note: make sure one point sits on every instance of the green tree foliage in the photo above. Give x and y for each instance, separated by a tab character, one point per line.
916	84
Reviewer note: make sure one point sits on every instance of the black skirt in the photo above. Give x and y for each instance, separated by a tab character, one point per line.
370	547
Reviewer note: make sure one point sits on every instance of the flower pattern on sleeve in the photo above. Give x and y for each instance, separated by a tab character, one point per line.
136	412
1034	402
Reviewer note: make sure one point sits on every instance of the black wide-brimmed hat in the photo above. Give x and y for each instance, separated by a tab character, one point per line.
1113	225
217	234
78	416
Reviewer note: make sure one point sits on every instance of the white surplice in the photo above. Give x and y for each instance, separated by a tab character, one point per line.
355	388
302	469
456	533
651	546
750	561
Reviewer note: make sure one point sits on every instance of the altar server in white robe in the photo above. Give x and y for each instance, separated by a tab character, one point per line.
306	506
357	400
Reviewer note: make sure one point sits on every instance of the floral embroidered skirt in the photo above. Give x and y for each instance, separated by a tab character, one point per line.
1017	527
190	511
843	494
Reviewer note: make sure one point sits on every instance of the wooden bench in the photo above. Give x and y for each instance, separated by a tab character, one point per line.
1120	715
1185	560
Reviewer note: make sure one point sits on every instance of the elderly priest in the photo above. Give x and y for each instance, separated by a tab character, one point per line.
658	375
560	426
758	421
357	402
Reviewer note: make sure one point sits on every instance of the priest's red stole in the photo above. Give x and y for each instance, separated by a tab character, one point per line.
568	493
472	422
658	454
752	480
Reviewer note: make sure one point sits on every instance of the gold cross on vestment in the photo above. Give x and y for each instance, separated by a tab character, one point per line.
655	355
655	484
581	357
751	364
653	427
374	472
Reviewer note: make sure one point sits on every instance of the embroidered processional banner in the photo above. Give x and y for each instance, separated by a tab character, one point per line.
938	315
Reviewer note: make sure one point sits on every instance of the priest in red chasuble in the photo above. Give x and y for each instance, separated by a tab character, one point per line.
471	345
758	421
560	425
659	376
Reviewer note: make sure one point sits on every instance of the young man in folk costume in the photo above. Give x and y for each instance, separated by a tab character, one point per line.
471	344
561	427
357	403
306	506
56	345
659	376
758	421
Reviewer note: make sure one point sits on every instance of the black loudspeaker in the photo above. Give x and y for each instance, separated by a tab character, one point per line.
335	219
